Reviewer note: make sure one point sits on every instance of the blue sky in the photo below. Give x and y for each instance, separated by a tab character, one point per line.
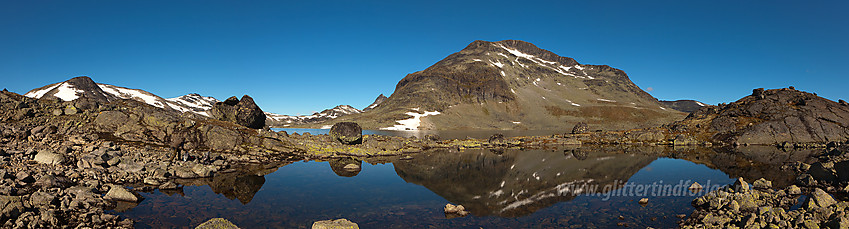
303	56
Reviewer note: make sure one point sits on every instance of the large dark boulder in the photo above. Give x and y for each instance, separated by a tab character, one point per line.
243	112
580	128
348	133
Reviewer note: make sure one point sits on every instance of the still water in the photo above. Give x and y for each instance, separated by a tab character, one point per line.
587	187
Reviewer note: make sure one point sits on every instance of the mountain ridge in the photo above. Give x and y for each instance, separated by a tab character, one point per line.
514	84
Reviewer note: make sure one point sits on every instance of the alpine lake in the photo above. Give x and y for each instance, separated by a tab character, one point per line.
558	187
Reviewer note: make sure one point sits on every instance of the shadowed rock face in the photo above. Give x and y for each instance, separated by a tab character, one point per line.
771	117
243	112
515	183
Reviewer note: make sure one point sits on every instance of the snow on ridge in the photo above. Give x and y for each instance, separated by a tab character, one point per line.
126	93
67	92
411	123
38	94
607	100
700	103
573	104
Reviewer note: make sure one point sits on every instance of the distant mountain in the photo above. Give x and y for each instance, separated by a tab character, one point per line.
514	85
376	103
83	86
683	105
278	120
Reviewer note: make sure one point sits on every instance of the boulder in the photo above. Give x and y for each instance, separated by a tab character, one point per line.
496	138
818	199
11	206
335	224
762	184
217	223
740	185
242	112
348	133
458	210
346	167
50	158
119	193
580	128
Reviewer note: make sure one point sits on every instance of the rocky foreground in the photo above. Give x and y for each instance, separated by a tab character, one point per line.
65	163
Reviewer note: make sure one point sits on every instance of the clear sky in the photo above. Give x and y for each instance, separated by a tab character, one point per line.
297	57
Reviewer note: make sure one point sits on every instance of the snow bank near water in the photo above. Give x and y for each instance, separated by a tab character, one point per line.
411	123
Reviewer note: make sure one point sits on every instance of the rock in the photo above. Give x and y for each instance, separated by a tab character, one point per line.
351	167
459	210
70	110
818	199
151	181
348	133
580	128
242	112
335	224
695	187
643	201
51	181
431	137
822	174
758	93
41	199
202	170
740	185
11	206
762	184
119	193
24	177
496	138
217	223
684	140
168	186
50	158
185	173
346	167
793	190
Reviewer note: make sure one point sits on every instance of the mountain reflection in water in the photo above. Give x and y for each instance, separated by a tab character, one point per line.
501	188
516	183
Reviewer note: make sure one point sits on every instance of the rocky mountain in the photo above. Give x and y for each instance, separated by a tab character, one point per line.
770	117
85	87
278	120
514	85
686	106
376	103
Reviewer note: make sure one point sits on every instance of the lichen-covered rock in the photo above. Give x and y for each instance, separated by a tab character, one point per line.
217	223
335	224
580	128
348	133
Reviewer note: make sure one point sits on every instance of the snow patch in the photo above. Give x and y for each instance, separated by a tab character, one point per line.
607	100
573	104
700	103
126	93
67	92
516	122
477	60
38	94
411	123
326	126
502	73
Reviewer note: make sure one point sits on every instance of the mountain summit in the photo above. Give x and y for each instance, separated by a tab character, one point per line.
514	84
